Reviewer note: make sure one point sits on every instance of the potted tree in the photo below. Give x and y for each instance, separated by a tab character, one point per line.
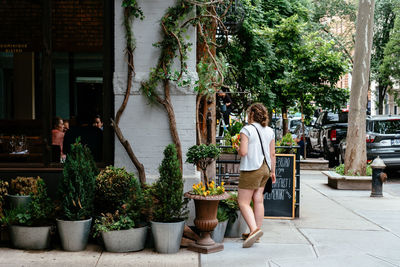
30	227
206	197
76	190
169	208
21	190
122	224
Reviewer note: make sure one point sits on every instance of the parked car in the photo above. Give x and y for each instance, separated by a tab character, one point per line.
382	139
327	132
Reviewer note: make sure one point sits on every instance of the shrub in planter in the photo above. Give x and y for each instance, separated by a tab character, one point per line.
169	208
3	194
288	141
114	186
76	190
123	229
21	190
202	156
77	185
30	227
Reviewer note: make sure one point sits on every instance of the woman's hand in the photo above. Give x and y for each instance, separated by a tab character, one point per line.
273	177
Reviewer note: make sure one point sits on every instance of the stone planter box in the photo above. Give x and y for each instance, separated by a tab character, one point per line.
343	182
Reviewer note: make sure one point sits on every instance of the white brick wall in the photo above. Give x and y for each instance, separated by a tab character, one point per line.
146	125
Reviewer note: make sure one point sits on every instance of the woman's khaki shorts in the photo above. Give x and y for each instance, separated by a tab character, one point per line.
254	179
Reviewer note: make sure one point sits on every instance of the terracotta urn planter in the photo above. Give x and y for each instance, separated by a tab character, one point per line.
206	220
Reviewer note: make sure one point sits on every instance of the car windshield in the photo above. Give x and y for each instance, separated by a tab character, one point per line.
334	117
294	123
386	126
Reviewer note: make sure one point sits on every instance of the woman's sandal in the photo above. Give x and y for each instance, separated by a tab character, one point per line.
253	236
246	235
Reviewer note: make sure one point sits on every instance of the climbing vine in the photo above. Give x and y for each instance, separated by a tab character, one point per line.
131	10
174	25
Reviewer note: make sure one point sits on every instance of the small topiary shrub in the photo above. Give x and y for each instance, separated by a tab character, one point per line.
114	186
77	186
167	192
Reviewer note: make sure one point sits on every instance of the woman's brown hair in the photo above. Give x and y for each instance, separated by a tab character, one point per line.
259	113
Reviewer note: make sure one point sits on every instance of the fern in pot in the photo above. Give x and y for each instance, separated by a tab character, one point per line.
76	191
123	208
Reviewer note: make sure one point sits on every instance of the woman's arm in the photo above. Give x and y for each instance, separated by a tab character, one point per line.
244	145
273	159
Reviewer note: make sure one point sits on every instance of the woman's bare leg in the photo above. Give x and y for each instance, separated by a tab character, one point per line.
258	202
244	199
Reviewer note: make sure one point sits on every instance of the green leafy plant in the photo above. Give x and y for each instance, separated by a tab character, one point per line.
167	192
40	211
202	156
24	186
230	206
114	186
287	141
222	214
77	185
113	222
340	170
3	194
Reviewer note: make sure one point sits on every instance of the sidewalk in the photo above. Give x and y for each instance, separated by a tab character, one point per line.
335	228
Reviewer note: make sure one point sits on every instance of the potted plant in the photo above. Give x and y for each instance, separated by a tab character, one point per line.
169	208
3	194
286	145
236	223
21	190
206	197
122	225
223	217
76	190
30	227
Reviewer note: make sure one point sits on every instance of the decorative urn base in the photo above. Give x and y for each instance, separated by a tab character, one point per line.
206	221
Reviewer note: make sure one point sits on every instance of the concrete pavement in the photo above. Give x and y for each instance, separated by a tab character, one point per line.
335	228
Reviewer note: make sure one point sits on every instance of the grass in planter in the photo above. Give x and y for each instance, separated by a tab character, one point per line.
340	170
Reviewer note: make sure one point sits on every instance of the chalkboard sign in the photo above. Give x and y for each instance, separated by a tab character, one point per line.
280	203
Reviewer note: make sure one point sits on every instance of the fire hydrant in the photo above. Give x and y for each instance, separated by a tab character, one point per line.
378	177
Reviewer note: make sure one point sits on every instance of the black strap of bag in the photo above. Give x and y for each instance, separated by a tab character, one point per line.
268	186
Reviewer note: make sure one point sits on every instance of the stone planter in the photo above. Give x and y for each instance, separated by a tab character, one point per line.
27	237
236	228
219	232
206	221
17	202
167	236
125	240
74	234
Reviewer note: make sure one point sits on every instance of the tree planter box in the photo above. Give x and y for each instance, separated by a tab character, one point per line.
338	181
125	240
26	237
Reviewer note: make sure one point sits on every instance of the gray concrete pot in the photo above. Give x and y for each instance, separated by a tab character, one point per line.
30	237
238	227
167	236
219	232
125	240
17	202
74	234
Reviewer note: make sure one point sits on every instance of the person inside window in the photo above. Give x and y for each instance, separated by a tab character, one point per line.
97	122
57	134
66	125
225	104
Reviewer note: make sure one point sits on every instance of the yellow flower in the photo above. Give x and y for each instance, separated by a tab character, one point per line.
222	184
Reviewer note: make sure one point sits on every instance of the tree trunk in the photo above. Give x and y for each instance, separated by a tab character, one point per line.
284	121
381	97
356	155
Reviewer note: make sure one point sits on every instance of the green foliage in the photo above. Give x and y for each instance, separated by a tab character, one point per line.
113	222
3	194
287	140
167	192
114	186
132	9
229	206
200	154
24	186
77	186
40	211
340	170
222	214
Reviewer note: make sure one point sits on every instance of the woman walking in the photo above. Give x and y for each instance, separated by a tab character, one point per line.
257	165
